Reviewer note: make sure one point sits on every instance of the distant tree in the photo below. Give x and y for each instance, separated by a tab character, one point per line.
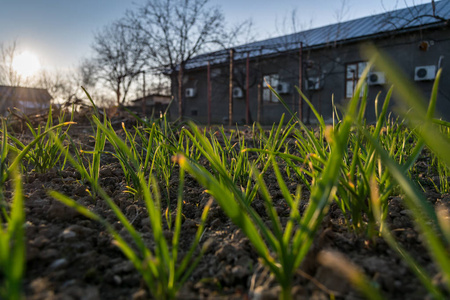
56	83
177	30
65	87
120	56
155	83
85	73
8	76
415	14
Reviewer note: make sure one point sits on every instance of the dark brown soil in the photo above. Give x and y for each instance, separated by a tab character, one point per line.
72	257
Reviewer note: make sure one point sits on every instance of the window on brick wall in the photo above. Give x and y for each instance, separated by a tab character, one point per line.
273	80
353	72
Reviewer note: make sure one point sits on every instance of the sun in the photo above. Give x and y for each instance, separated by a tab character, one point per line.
26	64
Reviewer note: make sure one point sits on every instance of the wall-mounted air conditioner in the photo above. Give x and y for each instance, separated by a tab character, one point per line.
425	73
283	88
237	92
313	83
190	92
376	78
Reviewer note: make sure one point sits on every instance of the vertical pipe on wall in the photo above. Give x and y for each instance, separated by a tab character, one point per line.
247	90
258	116
230	96
300	81
144	101
354	79
180	91
209	93
320	104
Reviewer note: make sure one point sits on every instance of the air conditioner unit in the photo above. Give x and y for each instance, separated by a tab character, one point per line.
190	92
424	73
237	92
376	78
282	88
313	83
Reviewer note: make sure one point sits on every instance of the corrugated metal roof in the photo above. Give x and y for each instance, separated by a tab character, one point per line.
406	19
12	93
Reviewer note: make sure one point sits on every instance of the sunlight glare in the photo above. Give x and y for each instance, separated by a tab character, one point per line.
26	64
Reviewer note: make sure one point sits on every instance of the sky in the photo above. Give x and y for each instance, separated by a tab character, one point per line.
60	32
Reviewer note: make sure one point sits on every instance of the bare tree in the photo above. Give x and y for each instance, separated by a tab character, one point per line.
155	84
120	56
8	76
415	13
54	82
85	74
177	30
65	87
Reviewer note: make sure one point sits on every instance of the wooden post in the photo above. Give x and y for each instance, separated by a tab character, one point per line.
230	96
300	81
247	89
320	104
209	93
180	92
258	117
353	80
144	101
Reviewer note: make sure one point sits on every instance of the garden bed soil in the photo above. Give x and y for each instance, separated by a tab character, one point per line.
72	257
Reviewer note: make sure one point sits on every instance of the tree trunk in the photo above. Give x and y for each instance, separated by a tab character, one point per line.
118	94
180	92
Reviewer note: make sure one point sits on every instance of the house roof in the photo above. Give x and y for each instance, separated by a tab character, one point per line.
13	93
397	21
154	97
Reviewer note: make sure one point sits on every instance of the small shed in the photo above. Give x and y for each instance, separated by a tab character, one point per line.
150	104
28	100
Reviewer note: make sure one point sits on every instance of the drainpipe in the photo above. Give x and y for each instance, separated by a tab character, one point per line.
258	116
180	92
300	81
247	94
144	101
230	96
209	93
